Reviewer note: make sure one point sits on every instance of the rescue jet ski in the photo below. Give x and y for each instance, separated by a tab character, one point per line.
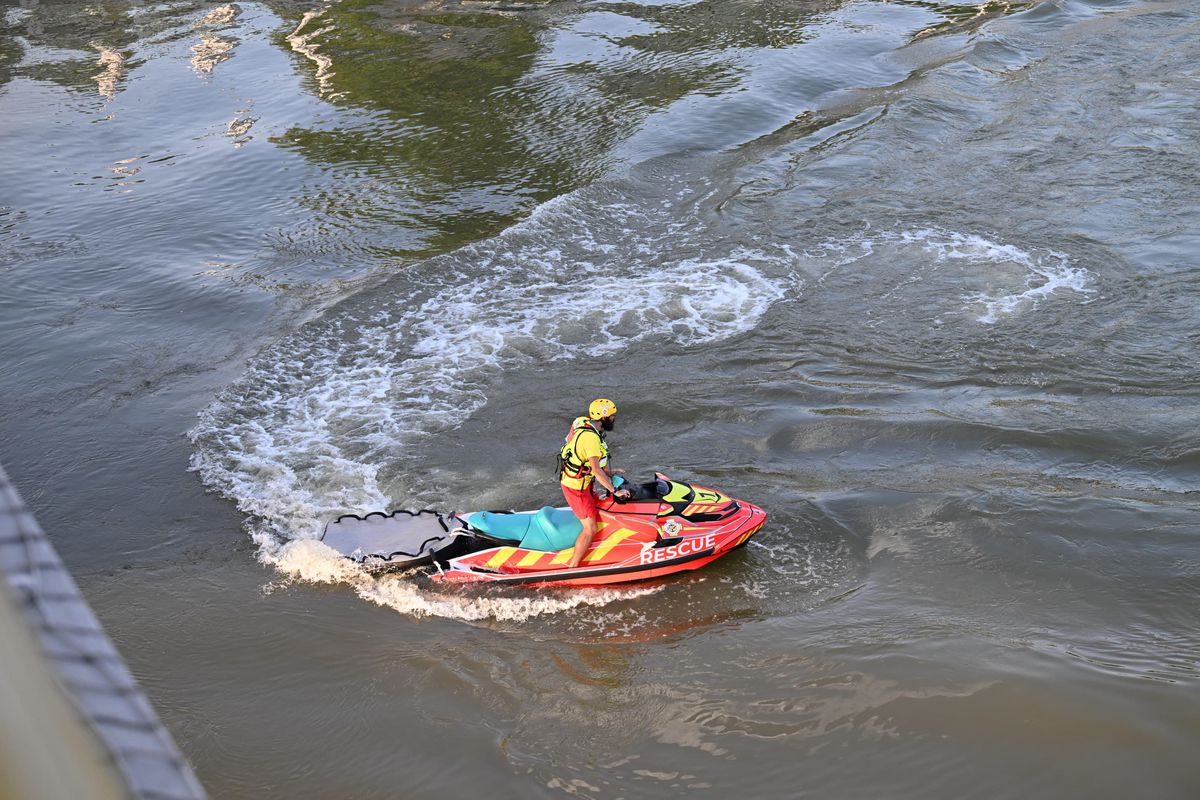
664	527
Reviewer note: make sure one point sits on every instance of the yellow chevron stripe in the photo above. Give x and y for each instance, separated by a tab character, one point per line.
565	555
501	556
608	544
747	535
530	558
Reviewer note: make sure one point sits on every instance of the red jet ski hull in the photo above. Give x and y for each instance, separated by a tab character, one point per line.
684	529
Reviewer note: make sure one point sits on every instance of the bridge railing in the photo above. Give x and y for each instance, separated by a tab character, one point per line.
73	721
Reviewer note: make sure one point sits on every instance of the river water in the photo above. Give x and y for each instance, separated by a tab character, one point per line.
919	279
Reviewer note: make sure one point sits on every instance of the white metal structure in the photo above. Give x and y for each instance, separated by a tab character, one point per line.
74	724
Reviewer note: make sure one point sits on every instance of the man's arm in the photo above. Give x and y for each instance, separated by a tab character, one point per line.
601	474
602	477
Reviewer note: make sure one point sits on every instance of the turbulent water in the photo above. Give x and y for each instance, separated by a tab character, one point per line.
919	279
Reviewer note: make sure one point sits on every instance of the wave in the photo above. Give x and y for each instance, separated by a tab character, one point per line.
303	436
939	263
1047	271
309	561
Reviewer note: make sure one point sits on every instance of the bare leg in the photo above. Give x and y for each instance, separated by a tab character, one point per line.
583	542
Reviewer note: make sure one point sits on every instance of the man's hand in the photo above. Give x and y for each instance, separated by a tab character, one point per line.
622	494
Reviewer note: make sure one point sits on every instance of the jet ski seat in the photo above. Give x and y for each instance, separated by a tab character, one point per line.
553	529
503	526
546	529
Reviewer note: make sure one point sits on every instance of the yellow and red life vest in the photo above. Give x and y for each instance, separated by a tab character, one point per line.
574	469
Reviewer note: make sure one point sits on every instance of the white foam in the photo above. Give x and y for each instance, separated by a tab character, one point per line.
306	440
1026	275
302	437
309	561
1046	272
502	323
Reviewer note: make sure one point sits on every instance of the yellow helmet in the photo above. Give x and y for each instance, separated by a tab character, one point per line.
601	408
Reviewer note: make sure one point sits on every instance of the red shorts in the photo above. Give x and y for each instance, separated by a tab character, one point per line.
582	502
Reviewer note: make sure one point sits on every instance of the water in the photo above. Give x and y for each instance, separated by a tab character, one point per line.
917	278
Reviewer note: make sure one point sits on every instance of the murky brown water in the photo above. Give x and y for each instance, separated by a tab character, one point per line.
919	279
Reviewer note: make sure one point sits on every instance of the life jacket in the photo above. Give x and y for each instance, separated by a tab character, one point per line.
571	466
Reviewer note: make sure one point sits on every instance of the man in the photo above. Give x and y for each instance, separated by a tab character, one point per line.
584	459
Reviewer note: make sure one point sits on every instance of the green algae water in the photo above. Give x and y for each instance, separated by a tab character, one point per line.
919	279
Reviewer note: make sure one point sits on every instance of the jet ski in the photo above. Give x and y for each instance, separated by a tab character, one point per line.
664	527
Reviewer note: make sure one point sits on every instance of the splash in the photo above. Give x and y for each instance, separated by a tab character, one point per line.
1045	273
1010	278
298	439
304	435
309	561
